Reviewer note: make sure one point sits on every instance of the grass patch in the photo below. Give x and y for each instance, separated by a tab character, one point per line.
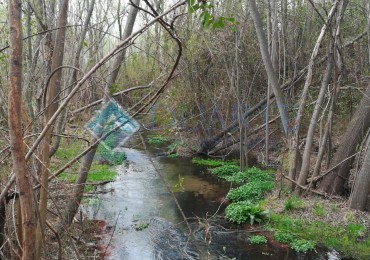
293	203
97	173
156	139
66	152
318	209
213	162
342	238
257	240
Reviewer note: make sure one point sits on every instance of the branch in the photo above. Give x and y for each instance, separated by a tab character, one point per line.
80	83
97	102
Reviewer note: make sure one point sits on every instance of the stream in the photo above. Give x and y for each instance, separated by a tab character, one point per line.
142	221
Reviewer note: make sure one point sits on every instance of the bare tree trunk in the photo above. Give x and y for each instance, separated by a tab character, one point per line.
294	147
268	64
60	125
333	183
52	92
311	129
15	131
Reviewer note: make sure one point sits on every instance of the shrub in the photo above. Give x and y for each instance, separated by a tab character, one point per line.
241	212
257	240
302	245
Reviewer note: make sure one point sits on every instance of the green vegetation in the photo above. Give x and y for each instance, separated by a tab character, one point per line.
213	162
242	211
110	156
173	155
98	173
157	139
299	245
232	173
302	245
141	226
225	170
293	203
318	209
257	240
348	239
252	191
106	151
283	237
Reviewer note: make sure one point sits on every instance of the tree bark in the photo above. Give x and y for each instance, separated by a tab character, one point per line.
51	106
60	125
294	146
333	183
15	131
311	129
361	187
280	100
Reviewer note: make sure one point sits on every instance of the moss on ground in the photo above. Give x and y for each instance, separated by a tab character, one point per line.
69	150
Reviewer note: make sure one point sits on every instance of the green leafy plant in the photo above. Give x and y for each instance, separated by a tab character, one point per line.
252	191
283	237
302	245
293	203
257	240
231	173
208	20
241	212
225	170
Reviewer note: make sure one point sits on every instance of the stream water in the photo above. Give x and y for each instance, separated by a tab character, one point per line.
142	221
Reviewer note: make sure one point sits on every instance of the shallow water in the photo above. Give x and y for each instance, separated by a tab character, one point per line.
144	222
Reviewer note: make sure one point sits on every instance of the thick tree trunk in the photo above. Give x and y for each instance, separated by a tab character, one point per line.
333	183
361	188
15	131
